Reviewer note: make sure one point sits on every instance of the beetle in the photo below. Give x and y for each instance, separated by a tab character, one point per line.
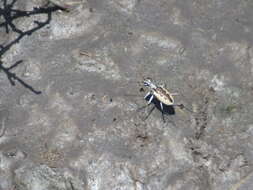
161	94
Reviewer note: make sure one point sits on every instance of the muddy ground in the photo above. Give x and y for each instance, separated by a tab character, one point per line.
71	92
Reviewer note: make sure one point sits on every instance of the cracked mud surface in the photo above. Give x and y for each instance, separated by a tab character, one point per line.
71	91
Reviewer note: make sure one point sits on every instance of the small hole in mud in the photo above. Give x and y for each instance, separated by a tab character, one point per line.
114	119
141	90
93	97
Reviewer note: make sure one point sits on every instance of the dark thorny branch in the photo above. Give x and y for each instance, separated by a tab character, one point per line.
8	15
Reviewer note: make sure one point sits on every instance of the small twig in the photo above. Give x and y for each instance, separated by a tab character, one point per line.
2	131
70	183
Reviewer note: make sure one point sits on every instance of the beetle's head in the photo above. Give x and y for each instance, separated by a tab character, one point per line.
148	82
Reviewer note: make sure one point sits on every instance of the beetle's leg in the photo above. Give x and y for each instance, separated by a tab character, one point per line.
151	98
141	108
163	85
181	106
149	113
147	95
163	117
161	105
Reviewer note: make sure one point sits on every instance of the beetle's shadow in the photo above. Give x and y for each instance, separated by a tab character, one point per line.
167	110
